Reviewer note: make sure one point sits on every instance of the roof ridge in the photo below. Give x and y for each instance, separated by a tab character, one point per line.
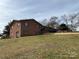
26	20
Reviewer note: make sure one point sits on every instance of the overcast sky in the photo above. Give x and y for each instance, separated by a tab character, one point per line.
38	9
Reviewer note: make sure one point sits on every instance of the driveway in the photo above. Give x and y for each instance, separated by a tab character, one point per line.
66	33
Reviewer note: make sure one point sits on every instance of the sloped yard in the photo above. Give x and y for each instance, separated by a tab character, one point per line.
41	47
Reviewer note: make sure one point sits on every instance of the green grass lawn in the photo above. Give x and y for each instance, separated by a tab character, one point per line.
41	47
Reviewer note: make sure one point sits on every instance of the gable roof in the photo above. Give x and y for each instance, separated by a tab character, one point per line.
24	20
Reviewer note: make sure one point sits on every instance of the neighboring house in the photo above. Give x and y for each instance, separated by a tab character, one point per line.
26	27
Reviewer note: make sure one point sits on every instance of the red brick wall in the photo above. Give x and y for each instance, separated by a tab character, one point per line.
15	28
32	28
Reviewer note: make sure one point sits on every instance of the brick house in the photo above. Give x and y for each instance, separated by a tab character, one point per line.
26	27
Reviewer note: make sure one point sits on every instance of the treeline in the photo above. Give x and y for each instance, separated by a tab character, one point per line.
70	22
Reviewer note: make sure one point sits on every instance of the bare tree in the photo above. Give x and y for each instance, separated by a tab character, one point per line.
73	20
53	22
65	18
44	22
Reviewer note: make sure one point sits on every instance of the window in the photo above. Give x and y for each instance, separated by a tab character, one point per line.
26	24
12	27
18	24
